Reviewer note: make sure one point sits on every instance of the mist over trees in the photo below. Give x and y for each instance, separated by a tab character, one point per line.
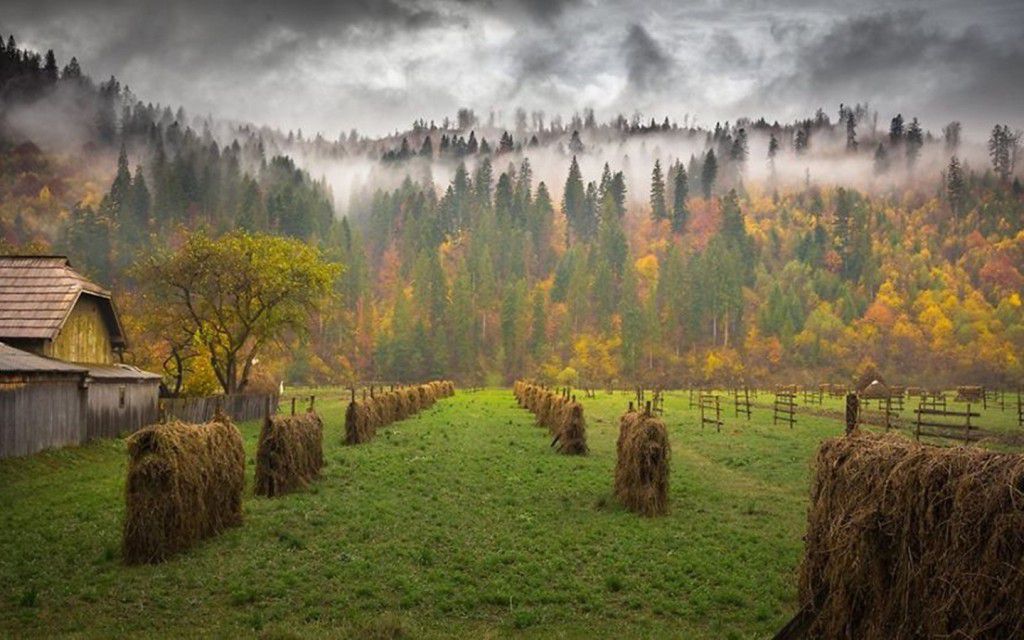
633	250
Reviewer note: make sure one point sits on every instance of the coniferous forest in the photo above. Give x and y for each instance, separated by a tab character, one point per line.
635	250
432	319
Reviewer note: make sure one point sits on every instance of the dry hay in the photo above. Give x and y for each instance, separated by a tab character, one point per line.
642	466
185	483
868	374
875	390
364	418
571	435
560	415
970	394
358	424
912	541
289	454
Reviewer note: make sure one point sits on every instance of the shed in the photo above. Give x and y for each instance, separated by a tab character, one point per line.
43	402
122	398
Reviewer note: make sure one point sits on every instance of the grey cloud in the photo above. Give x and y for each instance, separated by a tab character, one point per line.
379	64
901	61
647	63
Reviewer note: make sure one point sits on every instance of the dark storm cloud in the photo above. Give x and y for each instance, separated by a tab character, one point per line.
379	64
646	62
900	58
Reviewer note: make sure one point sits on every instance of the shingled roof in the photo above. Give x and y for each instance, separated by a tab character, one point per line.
37	293
17	361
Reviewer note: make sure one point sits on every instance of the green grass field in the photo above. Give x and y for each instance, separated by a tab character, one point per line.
459	522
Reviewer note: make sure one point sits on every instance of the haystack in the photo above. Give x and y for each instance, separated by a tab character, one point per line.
363	419
358	423
912	541
571	435
289	454
642	467
184	484
970	394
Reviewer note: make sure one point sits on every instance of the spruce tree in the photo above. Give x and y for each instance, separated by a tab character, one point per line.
658	208
681	191
709	173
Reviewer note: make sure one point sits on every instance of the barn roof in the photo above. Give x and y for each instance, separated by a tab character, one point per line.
120	372
17	361
37	294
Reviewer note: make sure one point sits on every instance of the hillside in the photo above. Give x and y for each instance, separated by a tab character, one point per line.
591	253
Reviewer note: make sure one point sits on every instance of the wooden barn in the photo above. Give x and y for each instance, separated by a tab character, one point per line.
61	380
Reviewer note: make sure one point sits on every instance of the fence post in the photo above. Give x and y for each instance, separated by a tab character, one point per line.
852	412
293	406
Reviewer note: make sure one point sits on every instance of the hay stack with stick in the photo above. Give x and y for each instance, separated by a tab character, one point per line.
912	541
642	466
571	435
185	483
289	454
364	418
561	415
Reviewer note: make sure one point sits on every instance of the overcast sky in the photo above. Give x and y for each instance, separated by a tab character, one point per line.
331	66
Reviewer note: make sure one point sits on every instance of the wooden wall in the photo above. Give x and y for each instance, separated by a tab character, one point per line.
239	407
107	418
43	413
84	336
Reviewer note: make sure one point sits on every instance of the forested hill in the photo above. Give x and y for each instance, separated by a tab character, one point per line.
576	251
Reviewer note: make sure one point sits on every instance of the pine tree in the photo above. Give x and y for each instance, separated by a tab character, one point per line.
738	153
881	160
896	130
141	201
851	132
1003	147
914	142
658	208
956	187
802	141
575	144
574	201
50	68
681	191
709	173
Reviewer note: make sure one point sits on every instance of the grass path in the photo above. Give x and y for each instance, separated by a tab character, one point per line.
458	522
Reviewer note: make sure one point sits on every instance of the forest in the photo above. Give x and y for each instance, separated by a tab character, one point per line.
637	251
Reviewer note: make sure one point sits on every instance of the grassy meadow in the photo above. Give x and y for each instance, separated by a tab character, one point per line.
458	522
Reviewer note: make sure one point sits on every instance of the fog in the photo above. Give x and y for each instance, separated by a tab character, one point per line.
376	67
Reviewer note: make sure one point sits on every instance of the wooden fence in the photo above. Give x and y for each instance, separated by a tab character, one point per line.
238	407
709	405
741	402
940	423
784	408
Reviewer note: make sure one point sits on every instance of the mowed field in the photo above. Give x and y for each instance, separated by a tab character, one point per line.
458	522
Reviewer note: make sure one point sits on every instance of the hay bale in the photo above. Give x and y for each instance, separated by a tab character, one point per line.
359	426
289	454
412	397
867	374
571	436
184	484
912	541
642	465
875	390
970	394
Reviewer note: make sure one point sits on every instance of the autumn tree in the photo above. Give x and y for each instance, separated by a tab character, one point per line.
238	294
